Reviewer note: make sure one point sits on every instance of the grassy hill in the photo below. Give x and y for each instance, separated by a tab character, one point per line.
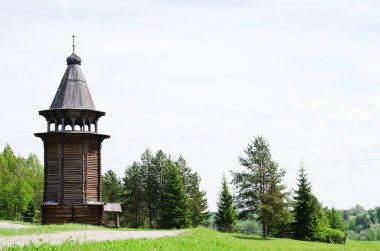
205	239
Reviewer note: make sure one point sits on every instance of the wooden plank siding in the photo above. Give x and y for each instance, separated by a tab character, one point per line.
52	169
73	169
92	189
72	178
72	214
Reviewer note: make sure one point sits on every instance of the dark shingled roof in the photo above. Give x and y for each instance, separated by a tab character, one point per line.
73	92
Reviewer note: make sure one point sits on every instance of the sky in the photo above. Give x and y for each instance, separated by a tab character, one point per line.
203	78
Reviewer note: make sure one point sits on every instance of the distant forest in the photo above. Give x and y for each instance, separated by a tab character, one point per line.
157	192
161	192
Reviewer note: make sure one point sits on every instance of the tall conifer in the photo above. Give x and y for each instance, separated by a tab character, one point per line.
197	197
177	212
225	218
259	188
306	208
111	187
134	196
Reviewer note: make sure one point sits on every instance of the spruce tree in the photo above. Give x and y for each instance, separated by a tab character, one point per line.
309	217
335	220
197	197
177	212
198	202
111	187
151	187
225	218
134	196
160	162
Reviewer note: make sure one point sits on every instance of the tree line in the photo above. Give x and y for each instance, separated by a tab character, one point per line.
157	192
21	186
161	192
362	224
261	194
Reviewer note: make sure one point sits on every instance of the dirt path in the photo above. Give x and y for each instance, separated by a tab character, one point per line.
81	236
4	224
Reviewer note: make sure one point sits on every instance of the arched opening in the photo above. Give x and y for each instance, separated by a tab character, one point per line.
77	128
51	126
60	127
93	126
68	128
86	128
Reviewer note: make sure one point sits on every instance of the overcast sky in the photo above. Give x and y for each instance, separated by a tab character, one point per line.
203	78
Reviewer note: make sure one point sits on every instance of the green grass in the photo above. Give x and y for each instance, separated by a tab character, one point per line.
205	239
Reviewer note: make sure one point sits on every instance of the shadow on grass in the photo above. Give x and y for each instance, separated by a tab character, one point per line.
248	237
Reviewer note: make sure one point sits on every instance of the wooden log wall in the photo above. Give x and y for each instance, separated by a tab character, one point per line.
72	214
72	178
92	170
52	169
73	169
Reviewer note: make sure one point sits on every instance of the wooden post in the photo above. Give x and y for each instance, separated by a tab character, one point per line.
117	220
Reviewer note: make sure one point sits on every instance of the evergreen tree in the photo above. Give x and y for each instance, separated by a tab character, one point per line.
144	191
197	198
319	221
260	191
225	218
160	162
335	220
176	202
278	213
152	188
134	196
111	187
198	202
309	217
304	206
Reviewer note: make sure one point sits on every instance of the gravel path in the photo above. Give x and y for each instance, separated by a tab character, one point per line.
4	224
81	236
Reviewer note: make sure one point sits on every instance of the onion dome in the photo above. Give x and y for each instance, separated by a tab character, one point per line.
73	59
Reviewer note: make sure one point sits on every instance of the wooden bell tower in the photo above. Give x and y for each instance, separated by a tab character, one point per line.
72	152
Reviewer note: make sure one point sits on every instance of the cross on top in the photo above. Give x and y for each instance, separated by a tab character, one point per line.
73	44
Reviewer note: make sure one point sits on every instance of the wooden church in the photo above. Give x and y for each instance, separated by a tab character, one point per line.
72	152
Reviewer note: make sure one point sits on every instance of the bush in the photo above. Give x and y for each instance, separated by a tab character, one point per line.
329	235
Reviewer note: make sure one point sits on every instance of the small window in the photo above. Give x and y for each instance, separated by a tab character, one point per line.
52	127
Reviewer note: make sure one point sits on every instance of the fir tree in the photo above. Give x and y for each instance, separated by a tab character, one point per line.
303	206
225	218
134	196
177	212
309	217
152	187
197	198
335	220
111	187
159	164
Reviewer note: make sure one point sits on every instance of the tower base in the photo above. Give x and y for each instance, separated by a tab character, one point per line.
84	214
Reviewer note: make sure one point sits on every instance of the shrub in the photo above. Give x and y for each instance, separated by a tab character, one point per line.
329	235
